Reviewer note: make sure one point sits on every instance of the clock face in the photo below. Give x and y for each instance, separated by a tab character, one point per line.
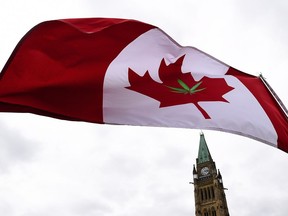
205	171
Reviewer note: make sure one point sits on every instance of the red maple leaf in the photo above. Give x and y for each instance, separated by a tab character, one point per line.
179	88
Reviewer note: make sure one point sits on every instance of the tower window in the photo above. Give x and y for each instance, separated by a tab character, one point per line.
209	194
206	212
212	191
205	193
213	212
201	194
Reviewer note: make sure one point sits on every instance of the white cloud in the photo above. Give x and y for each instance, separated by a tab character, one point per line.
52	167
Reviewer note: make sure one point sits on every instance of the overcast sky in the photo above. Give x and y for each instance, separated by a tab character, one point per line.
50	167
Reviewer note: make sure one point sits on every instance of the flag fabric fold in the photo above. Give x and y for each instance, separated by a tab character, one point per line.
121	71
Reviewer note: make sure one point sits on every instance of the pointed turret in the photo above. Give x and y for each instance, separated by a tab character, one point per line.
219	176
195	175
203	153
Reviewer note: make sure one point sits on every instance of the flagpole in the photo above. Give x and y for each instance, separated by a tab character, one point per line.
284	109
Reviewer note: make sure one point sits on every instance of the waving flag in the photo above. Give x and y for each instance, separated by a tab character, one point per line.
119	71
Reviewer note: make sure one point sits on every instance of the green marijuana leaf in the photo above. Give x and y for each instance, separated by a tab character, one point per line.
185	88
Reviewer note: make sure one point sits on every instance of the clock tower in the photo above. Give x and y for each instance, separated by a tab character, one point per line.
210	199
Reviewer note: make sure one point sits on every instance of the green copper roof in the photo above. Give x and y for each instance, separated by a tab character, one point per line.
203	153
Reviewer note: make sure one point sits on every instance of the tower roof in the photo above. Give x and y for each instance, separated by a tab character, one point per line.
203	152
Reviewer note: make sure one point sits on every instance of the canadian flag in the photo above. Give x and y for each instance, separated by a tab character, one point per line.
119	71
